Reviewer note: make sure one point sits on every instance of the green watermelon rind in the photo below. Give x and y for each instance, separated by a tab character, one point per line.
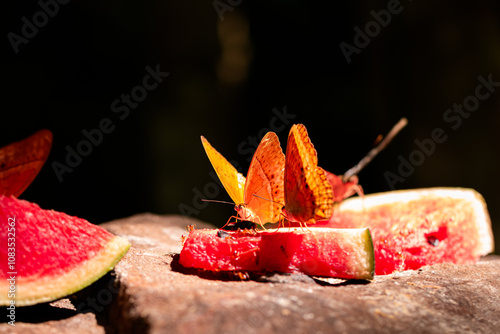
31	291
370	249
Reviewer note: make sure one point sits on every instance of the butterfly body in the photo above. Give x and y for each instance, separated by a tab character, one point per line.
246	213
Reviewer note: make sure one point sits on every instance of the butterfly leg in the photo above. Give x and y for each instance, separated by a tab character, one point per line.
260	223
359	190
304	226
229	221
282	221
243	275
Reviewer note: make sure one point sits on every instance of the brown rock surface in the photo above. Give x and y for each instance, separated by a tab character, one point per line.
437	299
55	318
156	295
154	232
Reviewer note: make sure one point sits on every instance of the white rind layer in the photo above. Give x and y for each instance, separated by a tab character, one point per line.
482	217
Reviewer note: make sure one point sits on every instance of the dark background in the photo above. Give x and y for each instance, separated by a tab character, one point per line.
227	74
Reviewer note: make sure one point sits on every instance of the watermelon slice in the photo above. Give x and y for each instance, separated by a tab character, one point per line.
413	228
342	253
46	255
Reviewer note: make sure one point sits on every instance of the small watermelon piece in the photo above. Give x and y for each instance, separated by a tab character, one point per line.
55	254
413	228
329	252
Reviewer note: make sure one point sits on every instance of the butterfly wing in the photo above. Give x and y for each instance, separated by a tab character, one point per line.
265	179
233	182
21	161
341	189
308	194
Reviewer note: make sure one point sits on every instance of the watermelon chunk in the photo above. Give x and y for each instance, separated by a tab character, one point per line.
413	228
55	254
342	253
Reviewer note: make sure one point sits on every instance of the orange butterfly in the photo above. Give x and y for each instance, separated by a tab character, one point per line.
264	180
308	194
21	161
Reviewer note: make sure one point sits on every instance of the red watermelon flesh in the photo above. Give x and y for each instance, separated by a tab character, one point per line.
55	254
413	228
342	253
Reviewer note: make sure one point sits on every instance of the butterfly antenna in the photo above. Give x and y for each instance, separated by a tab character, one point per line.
215	201
376	150
267	199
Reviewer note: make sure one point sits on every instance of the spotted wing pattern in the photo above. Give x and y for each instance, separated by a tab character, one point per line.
308	194
264	190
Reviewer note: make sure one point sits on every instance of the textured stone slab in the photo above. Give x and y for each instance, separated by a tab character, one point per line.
157	295
154	232
149	292
55	318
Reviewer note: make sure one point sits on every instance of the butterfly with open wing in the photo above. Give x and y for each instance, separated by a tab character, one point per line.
258	197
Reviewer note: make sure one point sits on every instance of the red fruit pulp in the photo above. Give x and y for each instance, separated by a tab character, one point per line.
424	231
344	253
